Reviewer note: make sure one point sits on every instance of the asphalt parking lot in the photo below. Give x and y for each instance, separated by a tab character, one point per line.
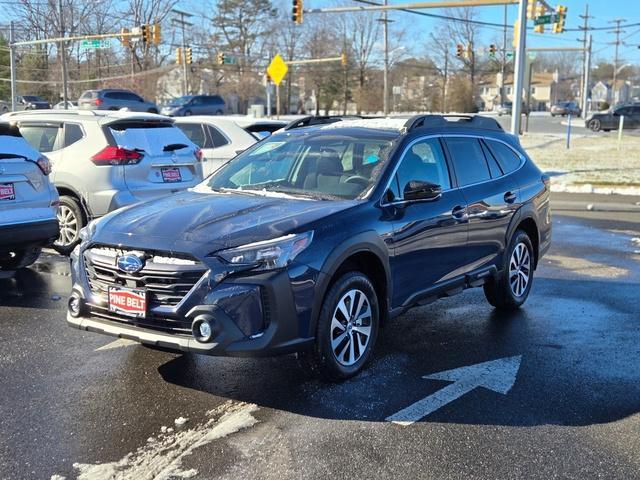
560	400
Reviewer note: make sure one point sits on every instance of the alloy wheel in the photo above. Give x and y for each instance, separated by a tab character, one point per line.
519	269
68	226
351	326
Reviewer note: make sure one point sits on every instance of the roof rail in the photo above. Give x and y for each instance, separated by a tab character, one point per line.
462	120
320	120
52	111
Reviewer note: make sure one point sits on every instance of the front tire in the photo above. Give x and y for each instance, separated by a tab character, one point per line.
511	287
71	219
594	125
347	329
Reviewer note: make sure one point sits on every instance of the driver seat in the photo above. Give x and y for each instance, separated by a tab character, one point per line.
327	174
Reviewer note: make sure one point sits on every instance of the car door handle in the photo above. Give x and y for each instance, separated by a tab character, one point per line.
510	197
459	212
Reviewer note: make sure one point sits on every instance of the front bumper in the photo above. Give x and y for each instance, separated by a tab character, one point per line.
251	316
32	234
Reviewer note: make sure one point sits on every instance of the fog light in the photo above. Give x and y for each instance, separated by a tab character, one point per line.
75	305
203	328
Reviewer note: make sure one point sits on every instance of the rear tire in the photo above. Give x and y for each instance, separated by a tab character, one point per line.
72	219
347	329
20	259
511	287
594	125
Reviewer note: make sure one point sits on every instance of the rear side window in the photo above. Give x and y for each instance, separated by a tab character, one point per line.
148	137
89	94
43	138
218	139
195	132
72	134
468	160
507	158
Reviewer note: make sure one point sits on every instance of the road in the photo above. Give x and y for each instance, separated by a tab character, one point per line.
81	405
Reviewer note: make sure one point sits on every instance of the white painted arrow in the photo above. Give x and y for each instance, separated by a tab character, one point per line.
497	375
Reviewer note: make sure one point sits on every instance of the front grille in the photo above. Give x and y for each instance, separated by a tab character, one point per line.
154	322
166	277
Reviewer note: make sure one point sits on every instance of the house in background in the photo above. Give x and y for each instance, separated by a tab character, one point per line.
624	92
545	90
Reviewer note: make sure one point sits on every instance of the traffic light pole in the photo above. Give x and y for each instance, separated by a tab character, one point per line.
12	63
63	58
518	73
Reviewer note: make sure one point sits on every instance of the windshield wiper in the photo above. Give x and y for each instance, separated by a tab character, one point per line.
174	146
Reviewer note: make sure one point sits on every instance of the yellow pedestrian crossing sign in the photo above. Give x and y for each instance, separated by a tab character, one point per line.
277	69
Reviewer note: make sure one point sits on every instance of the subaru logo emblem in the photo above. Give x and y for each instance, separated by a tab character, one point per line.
130	263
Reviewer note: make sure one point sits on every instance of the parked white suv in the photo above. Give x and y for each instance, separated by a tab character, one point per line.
105	160
28	201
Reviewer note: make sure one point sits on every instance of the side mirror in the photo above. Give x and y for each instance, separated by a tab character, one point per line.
419	190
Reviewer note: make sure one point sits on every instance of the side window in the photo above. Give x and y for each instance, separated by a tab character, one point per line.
132	97
72	134
494	168
506	157
424	161
468	160
218	139
197	101
43	138
194	132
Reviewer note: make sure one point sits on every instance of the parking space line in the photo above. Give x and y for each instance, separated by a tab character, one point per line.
121	342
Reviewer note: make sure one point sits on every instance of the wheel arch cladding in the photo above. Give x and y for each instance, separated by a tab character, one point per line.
529	226
366	253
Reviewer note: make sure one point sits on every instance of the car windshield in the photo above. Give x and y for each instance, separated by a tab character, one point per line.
317	165
176	102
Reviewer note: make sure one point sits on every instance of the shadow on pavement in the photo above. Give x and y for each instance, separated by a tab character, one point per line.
578	340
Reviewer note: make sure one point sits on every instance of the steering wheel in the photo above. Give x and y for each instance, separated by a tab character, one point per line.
357	179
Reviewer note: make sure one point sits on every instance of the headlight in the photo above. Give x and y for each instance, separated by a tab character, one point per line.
87	232
270	254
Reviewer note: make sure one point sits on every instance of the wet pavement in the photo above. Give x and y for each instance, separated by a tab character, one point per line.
81	405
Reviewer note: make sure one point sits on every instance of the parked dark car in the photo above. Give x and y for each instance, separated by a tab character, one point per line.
31	102
195	105
311	239
565	108
115	99
610	120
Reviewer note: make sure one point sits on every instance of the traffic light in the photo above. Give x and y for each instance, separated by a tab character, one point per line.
531	9
296	15
145	33
124	37
157	33
561	13
343	59
459	50
220	59
492	50
538	28
469	52
188	56
178	56
540	10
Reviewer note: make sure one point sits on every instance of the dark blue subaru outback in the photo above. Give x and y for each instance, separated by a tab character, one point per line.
312	238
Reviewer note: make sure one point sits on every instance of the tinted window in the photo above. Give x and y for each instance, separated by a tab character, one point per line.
132	97
72	134
424	161
197	101
468	160
114	95
506	157
41	137
218	139
495	169
623	111
195	133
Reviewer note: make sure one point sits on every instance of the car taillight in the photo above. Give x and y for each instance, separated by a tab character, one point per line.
198	154
97	102
44	164
116	156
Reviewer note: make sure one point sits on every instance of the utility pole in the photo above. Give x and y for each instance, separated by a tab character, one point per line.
503	67
12	63
183	23
518	74
585	67
385	81
444	83
63	56
587	76
617	43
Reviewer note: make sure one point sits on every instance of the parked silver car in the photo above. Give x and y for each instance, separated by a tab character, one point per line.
115	99
28	201
106	160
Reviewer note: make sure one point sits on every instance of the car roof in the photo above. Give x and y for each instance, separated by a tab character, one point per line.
227	126
103	117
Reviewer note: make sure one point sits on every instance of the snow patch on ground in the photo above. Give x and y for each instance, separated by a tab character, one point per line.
180	421
161	459
588	188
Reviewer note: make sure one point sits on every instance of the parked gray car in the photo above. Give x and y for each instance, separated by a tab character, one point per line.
195	105
114	99
102	161
28	201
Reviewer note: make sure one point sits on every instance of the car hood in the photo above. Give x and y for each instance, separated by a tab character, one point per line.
201	223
